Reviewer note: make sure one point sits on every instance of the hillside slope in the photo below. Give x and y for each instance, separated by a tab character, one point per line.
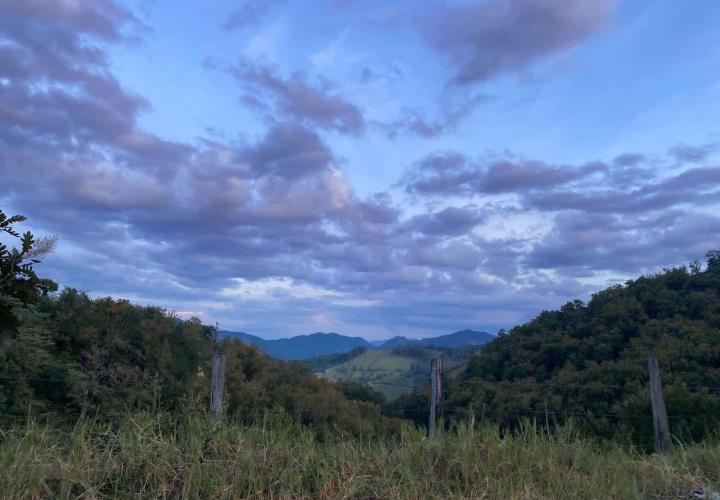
397	371
462	338
588	361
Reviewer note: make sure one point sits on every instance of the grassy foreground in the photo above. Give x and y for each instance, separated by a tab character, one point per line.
150	456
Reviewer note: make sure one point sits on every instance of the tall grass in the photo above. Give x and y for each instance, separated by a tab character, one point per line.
156	456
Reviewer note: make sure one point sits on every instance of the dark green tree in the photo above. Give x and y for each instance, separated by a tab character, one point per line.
587	361
19	284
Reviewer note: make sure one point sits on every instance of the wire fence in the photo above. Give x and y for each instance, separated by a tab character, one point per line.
414	411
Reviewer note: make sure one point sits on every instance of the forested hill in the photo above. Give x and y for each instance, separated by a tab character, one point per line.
301	346
72	354
590	359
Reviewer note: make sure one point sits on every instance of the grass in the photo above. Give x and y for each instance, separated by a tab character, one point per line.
389	373
154	456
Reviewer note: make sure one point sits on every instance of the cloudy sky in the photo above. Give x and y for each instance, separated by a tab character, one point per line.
368	167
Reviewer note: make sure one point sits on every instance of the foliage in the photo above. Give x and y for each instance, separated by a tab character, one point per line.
19	285
73	354
105	357
256	383
356	391
588	361
144	455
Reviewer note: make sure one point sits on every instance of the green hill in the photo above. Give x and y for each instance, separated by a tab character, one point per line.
588	361
399	370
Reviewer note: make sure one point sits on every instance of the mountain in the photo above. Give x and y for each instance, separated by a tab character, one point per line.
305	347
396	342
302	346
462	338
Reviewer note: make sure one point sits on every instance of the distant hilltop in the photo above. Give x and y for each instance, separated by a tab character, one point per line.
316	344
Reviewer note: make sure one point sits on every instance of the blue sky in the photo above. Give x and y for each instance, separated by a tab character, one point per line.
368	167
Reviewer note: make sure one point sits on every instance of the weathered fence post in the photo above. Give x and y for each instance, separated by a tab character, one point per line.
218	384
435	393
663	440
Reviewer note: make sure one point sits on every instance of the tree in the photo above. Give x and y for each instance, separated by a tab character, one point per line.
713	260
19	284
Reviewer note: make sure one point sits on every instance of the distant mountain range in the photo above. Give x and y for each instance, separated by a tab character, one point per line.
302	346
316	344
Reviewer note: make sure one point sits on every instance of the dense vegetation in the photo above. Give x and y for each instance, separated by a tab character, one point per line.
75	354
588	361
161	456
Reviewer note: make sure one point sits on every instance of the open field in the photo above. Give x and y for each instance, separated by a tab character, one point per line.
383	370
394	373
148	455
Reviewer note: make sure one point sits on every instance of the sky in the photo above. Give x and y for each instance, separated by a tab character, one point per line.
367	167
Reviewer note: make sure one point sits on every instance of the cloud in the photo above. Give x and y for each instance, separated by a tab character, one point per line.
624	244
486	39
288	150
451	116
694	186
248	13
448	221
298	100
693	154
266	233
452	173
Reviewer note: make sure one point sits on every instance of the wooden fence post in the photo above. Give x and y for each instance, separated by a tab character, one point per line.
663	440
218	385
435	393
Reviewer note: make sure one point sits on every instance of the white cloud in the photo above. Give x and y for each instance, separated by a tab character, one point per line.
268	289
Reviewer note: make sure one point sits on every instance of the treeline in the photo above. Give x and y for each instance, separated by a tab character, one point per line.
65	354
74	354
588	361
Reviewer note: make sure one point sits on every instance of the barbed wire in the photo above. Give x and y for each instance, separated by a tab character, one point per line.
479	413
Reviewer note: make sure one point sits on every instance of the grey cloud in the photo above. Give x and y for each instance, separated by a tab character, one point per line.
452	173
456	255
506	176
450	117
691	186
296	99
378	208
692	154
100	18
447	222
628	159
486	39
626	244
288	150
248	13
